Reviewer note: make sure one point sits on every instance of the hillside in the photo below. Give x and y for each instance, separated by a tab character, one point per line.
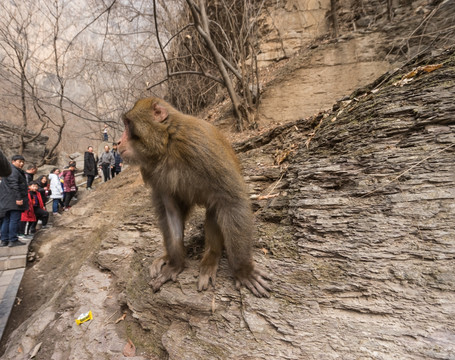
354	216
353	207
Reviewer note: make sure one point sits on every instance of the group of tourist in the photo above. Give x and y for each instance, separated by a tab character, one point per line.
109	162
23	200
13	199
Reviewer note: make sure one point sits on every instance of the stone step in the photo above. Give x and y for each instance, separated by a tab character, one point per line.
16	250
14	257
9	285
13	262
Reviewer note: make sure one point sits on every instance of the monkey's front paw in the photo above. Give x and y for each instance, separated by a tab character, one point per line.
255	282
165	274
207	274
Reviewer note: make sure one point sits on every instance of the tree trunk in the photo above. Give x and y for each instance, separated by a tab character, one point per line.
202	26
390	9
333	11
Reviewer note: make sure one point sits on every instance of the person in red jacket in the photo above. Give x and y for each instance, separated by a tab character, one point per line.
36	211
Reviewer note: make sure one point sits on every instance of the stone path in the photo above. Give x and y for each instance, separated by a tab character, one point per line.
12	267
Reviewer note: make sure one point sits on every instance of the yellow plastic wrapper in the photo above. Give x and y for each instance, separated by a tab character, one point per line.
84	317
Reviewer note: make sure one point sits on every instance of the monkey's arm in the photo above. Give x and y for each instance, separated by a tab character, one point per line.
171	221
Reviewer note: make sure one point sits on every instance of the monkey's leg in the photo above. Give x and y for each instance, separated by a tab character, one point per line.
212	253
236	223
171	219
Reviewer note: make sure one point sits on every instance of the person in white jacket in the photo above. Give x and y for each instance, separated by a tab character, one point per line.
57	191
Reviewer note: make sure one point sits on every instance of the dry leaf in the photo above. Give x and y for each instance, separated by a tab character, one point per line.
281	157
430	68
121	318
129	350
35	350
408	77
411	74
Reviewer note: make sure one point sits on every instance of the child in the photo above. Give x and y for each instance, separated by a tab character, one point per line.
35	212
57	191
105	136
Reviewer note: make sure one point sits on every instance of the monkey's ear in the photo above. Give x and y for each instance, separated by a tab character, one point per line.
159	113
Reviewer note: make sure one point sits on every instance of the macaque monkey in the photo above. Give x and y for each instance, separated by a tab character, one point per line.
188	162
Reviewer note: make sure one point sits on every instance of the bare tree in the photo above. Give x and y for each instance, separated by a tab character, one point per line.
34	60
73	66
17	50
218	43
39	50
389	9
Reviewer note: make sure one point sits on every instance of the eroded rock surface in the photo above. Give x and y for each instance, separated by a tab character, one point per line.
10	140
355	213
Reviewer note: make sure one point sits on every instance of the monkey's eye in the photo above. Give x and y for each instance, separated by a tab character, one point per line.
126	121
127	124
129	128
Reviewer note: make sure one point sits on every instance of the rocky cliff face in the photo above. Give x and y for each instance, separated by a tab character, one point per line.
10	143
369	44
288	26
355	217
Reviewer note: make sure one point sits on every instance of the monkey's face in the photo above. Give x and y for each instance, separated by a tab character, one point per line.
125	147
139	139
145	136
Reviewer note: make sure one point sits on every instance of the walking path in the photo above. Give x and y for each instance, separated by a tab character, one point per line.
12	267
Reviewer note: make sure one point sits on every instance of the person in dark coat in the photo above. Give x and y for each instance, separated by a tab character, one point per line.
13	200
5	170
69	184
5	166
90	169
118	161
43	187
30	173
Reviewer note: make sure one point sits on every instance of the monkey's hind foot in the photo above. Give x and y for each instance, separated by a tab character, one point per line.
207	274
156	266
161	272
255	282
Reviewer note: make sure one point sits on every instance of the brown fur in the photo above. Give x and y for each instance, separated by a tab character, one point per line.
187	161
